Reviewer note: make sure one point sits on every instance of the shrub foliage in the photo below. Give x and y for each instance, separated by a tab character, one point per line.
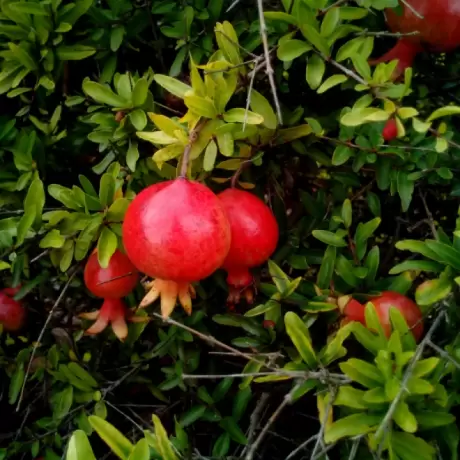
100	99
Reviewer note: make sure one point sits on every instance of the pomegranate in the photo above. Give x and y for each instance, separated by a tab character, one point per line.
111	284
12	313
176	232
354	311
438	30
390	130
254	233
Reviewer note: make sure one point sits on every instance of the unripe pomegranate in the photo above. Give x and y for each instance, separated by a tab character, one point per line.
390	130
438	30
111	283
177	232
354	311
12	313
254	237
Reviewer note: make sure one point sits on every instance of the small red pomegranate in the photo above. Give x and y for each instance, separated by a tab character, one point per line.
354	311
12	313
176	232
438	30
390	130
254	238
111	284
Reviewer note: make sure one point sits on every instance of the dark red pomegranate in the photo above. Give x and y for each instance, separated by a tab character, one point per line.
354	311
12	313
254	237
390	130
439	30
111	283
176	232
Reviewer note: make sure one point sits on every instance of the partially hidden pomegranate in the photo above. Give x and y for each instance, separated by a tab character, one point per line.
12	313
390	130
354	311
176	232
438	30
254	233
111	284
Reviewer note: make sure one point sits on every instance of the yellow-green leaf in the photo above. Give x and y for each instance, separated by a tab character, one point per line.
200	105
239	115
260	105
172	85
156	137
300	336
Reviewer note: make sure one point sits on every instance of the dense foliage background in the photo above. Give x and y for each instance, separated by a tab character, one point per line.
97	101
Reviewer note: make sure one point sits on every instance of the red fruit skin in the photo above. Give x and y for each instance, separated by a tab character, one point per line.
12	313
354	311
439	30
254	234
176	230
390	130
113	282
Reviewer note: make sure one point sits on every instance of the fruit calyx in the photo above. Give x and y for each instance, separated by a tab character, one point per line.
113	312
112	283
254	237
404	52
12	312
177	233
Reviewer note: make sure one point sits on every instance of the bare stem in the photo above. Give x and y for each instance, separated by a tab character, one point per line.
186	155
40	336
410	7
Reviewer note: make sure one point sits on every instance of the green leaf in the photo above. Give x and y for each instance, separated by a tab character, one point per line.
360	116
280	278
347	213
106	190
230	425
201	106
79	447
106	246
362	372
192	415
431	419
62	402
164	446
138	118
172	85
315	71
140	92
132	155
300	336
433	291
292	49
330	22
28	8
260	105
444	112
280	16
332	81
341	155
141	451
314	38
117	442
329	238
53	239
350	397
327	267
23	57
445	253
103	94
74	52
363	233
117	210
221	446
210	156
405	189
16	382
404	418
242	116
352	425
408	447
116	38
422	265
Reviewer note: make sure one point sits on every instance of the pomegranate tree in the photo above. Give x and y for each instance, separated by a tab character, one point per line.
111	284
437	23
176	232
12	313
254	236
354	311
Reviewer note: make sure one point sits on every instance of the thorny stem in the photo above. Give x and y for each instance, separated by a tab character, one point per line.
268	67
40	336
186	155
408	374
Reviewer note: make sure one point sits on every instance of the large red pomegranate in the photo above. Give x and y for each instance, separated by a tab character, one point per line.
111	283
354	311
12	313
254	237
438	30
176	232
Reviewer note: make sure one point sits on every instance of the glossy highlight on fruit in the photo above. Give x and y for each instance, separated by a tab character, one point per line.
111	283
12	313
354	311
438	30
115	281
254	233
176	232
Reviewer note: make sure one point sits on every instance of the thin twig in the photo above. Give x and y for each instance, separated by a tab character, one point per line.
320	375
407	375
302	446
40	336
126	416
410	7
429	215
319	439
286	401
193	135
444	354
268	67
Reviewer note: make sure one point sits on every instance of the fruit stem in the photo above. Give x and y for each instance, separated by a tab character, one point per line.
193	136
